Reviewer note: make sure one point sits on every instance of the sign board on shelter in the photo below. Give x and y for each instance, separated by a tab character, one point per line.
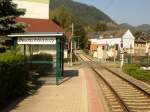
36	41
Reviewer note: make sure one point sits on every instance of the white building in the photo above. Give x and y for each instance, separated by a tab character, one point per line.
126	38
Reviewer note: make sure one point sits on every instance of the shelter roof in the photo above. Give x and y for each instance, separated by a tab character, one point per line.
140	40
37	34
144	38
40	25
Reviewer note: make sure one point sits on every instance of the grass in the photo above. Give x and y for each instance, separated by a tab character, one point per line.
135	71
41	1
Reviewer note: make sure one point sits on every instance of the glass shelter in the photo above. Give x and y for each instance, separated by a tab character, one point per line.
45	52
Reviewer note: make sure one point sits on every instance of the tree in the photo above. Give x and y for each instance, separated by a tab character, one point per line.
138	34
80	35
101	26
62	17
8	15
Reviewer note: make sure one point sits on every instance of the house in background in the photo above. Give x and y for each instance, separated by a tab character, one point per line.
113	39
142	46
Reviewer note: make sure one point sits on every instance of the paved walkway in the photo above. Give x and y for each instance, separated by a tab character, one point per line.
94	101
77	94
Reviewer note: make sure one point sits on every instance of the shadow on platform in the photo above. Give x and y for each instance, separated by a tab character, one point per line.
68	74
46	80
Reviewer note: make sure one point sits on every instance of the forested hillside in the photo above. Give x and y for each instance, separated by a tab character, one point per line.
88	14
143	28
86	19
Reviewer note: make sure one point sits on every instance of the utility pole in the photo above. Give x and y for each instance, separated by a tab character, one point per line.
122	54
78	42
71	45
147	52
75	48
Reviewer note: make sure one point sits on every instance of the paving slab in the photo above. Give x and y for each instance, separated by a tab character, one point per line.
77	93
70	96
94	99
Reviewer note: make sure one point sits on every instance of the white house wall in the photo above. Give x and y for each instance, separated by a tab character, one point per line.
109	41
128	39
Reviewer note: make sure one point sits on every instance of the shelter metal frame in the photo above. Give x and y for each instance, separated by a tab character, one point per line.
59	36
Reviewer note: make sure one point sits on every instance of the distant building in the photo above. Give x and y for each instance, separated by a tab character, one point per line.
113	39
142	46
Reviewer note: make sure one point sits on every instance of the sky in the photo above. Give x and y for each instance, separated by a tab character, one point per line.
134	12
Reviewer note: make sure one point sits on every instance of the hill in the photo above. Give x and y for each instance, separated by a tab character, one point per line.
127	26
144	27
86	13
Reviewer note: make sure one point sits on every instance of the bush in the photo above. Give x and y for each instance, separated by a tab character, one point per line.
135	71
14	77
2	50
41	68
145	61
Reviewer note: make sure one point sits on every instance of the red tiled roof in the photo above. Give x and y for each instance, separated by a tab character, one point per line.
40	25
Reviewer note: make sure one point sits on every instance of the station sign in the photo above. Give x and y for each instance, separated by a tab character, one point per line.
36	41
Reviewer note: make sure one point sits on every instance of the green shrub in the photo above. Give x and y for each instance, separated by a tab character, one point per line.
14	77
135	71
41	68
145	61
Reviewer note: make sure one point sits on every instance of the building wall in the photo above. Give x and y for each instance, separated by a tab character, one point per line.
34	9
93	47
128	40
129	44
108	41
140	49
148	48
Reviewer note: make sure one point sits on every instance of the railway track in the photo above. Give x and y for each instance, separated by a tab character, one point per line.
120	94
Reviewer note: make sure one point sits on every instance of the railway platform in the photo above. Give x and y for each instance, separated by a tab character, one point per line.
77	93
